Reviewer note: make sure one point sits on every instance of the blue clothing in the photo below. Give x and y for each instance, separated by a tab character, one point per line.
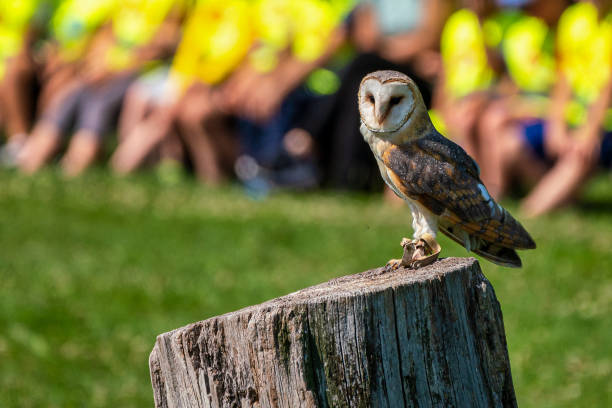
263	143
605	153
88	107
534	133
397	16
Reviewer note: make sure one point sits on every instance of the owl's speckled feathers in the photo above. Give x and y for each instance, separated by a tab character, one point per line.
435	176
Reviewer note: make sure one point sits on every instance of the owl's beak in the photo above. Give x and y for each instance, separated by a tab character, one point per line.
381	111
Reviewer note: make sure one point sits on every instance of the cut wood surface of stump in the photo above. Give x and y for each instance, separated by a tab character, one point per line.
406	338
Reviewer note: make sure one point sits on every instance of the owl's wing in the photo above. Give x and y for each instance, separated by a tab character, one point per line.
442	177
445	150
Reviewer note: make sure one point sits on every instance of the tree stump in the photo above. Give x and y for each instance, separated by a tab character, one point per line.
405	338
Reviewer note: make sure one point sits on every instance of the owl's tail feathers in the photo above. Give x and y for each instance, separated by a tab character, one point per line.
494	252
498	254
519	237
503	230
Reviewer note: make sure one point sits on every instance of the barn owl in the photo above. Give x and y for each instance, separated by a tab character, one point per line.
436	177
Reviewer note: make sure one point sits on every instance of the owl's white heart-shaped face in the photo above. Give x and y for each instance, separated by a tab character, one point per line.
385	107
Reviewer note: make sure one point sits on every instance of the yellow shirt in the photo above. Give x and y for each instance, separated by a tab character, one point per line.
219	35
74	23
314	22
584	45
302	26
530	64
216	38
15	16
134	23
464	55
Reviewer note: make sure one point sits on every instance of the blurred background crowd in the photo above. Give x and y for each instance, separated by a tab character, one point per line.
264	91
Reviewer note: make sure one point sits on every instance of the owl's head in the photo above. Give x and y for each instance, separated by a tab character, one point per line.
387	100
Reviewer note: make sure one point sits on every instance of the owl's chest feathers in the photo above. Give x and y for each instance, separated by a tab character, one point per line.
379	147
422	219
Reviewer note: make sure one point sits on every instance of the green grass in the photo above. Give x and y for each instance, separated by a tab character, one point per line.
91	270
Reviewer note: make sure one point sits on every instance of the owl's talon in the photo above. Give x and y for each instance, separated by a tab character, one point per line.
393	264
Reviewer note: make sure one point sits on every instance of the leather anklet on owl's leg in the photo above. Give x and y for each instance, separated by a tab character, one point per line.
420	252
394	264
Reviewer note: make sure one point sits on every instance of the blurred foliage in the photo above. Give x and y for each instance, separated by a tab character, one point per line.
93	269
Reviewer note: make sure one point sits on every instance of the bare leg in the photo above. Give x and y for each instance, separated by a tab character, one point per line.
16	96
194	116
171	148
462	120
134	110
504	154
16	105
202	151
496	138
40	147
558	186
82	152
141	141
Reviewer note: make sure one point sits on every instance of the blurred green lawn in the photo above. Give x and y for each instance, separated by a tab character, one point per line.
91	270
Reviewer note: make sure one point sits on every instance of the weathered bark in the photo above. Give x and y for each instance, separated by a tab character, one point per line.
430	337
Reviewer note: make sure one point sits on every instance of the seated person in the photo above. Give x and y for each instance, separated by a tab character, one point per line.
470	73
526	45
22	25
107	62
249	79
387	34
281	80
145	102
561	149
204	59
577	138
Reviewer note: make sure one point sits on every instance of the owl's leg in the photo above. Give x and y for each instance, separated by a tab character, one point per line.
420	252
423	249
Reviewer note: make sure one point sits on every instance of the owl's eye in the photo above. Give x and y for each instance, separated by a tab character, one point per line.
370	98
395	100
